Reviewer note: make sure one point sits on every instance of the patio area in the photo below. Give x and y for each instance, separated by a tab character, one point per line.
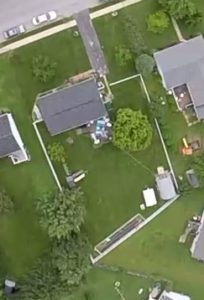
185	104
182	97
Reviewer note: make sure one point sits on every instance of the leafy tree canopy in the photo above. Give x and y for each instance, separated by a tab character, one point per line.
71	258
63	213
178	8
132	130
193	19
145	64
158	22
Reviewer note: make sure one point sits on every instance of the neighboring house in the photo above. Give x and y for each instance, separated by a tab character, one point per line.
165	184
173	296
197	248
71	106
182	70
11	144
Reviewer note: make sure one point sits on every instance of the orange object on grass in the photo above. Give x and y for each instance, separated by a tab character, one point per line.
187	151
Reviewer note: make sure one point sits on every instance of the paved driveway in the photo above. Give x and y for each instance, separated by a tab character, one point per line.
14	12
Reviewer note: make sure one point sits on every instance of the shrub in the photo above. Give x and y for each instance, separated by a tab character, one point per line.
132	130
43	68
158	22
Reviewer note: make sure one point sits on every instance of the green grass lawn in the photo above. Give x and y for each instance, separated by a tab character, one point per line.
115	180
99	285
21	239
111	34
155	249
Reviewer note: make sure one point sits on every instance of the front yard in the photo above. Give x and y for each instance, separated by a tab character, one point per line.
111	34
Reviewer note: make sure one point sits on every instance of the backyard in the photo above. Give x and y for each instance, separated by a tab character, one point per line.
114	177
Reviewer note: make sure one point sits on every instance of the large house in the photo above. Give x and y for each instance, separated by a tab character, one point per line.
197	248
182	70
11	144
70	106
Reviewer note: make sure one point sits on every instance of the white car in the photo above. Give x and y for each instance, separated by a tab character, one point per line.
49	16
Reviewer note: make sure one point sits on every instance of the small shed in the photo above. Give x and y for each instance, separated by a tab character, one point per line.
192	178
149	197
165	184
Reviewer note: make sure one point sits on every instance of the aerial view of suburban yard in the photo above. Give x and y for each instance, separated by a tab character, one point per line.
102	157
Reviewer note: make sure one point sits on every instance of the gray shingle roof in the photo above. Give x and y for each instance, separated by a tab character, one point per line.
198	249
184	64
8	143
165	186
71	107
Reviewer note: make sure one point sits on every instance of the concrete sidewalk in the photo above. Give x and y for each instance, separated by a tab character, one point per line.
43	34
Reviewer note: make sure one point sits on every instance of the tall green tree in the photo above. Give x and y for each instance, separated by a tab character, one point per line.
179	9
42	282
145	64
71	258
132	130
158	22
193	19
63	213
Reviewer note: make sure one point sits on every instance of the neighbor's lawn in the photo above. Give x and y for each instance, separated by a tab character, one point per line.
99	285
155	249
114	183
111	34
21	238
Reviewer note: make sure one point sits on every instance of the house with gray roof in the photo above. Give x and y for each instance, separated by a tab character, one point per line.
70	106
173	296
197	247
182	70
11	144
165	184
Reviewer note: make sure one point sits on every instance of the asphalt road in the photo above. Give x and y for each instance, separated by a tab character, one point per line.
16	12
